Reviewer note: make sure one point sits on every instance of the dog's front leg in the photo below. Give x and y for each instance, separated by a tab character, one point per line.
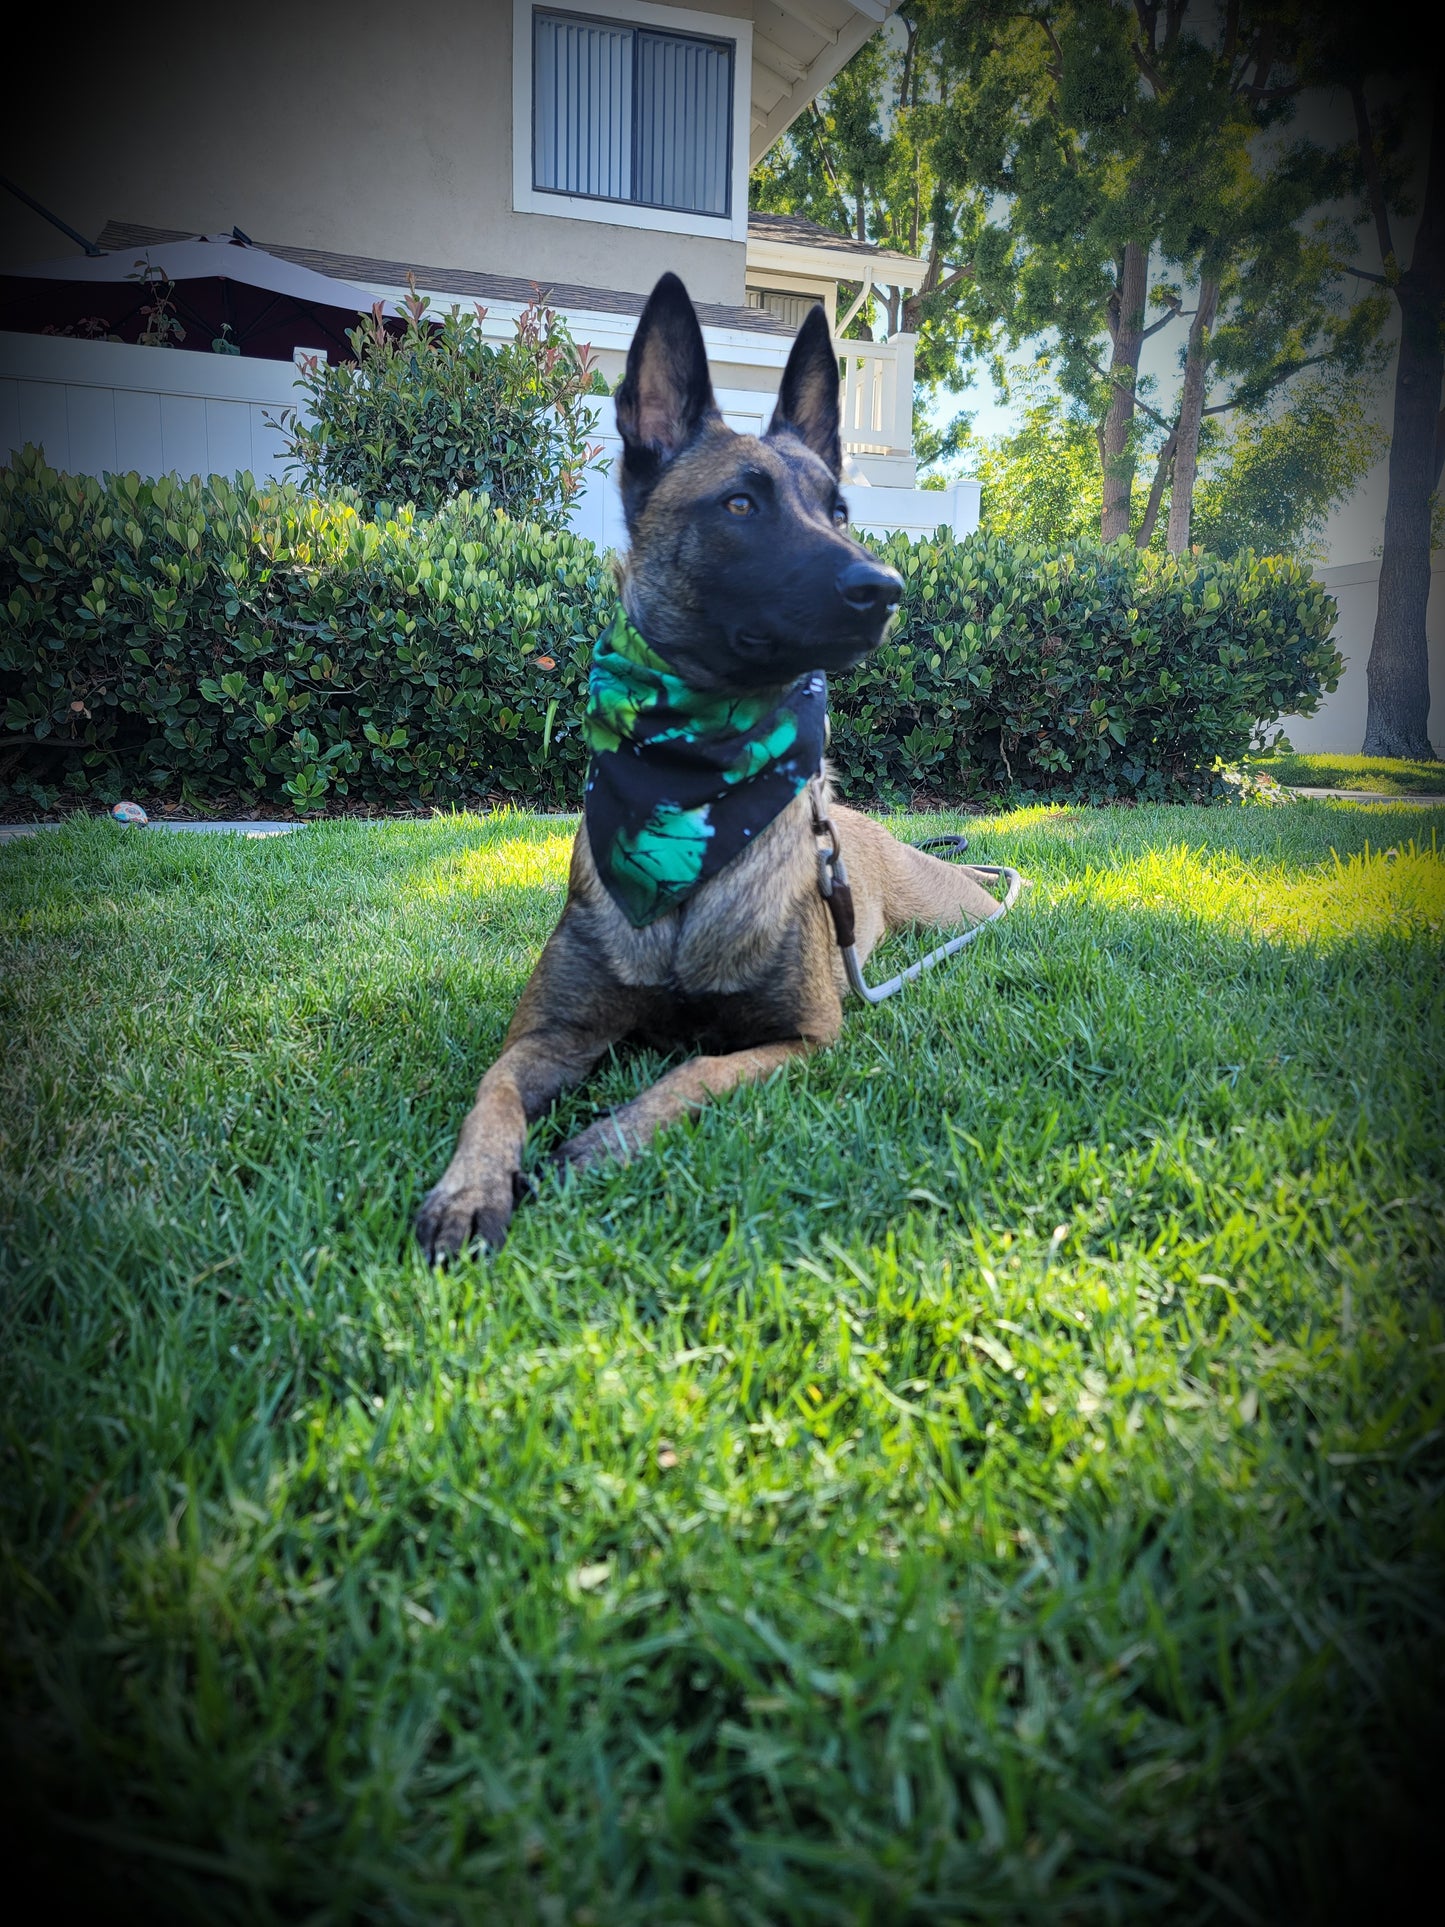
474	1198
681	1093
568	1016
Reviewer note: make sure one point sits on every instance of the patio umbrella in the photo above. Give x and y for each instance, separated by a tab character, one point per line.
270	306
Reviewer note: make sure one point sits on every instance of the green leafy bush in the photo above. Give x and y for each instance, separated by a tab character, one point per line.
1082	671
443	411
168	635
217	636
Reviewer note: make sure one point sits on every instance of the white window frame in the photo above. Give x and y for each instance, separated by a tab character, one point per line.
527	199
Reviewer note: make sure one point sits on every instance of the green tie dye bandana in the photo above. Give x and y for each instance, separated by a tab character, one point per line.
681	780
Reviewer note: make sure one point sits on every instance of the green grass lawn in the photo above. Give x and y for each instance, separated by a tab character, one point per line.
1389	775
992	1472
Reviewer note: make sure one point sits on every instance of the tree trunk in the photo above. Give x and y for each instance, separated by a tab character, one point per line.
1156	491
1191	414
1128	333
1398	672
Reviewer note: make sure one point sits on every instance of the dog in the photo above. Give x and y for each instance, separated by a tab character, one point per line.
702	925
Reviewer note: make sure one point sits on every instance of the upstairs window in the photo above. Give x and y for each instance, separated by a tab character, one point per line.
626	113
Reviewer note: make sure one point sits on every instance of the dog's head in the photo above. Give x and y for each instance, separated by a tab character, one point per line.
741	571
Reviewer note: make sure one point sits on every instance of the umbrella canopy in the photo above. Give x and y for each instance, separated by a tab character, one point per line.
262	304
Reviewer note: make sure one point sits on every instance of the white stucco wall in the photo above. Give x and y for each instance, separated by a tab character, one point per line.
359	126
1339	726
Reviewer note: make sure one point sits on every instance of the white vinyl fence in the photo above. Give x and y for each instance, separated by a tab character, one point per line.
105	407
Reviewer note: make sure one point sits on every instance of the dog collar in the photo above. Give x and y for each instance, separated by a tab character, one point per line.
681	780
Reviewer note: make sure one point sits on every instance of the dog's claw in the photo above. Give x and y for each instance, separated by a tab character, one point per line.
449	1222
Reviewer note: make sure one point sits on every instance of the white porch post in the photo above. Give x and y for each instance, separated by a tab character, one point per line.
901	440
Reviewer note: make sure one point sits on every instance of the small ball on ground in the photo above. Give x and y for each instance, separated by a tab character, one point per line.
129	813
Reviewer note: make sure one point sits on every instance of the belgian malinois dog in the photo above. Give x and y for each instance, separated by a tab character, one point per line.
741	589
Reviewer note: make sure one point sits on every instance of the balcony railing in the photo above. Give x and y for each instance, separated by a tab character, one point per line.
877	395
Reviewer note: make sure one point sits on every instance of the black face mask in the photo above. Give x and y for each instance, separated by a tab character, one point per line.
682	780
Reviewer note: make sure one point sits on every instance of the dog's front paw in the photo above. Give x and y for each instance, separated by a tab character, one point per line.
606	1140
452	1217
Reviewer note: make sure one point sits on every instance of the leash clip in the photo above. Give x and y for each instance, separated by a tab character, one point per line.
830	859
833	884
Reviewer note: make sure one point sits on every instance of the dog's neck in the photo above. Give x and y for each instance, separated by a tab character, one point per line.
676	640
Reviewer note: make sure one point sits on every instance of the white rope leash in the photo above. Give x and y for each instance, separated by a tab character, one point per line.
878	992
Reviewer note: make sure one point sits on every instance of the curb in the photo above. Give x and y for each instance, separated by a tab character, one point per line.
10	832
1423	799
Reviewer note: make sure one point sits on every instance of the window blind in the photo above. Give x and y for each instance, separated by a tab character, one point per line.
582	107
683	123
620	113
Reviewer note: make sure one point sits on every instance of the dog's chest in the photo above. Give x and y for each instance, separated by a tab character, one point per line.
737	941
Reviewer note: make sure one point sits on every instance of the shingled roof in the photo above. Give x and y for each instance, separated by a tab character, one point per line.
799	232
471	284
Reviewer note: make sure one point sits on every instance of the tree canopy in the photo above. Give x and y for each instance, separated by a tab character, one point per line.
1074	173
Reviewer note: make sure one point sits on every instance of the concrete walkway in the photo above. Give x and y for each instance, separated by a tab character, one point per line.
1360	796
9	831
243	827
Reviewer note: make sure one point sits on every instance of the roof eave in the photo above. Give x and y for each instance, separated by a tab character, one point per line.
867	17
837	264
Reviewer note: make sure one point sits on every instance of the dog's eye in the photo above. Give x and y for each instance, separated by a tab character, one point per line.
840	515
740	505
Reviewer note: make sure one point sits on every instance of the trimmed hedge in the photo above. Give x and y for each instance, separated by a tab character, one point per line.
212	637
219	636
1082	671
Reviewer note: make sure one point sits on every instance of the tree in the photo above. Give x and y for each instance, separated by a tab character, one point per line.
1269	318
1041	482
1066	168
1267	482
1398	669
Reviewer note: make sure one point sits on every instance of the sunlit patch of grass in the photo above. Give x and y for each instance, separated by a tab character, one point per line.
496	865
990	1471
1358	898
1018	821
1387	774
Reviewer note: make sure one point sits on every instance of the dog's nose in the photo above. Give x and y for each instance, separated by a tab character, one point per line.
870	586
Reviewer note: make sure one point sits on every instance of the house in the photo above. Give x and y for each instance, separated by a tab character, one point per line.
489	146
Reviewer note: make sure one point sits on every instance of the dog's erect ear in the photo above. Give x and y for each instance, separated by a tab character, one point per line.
666	394
808	398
